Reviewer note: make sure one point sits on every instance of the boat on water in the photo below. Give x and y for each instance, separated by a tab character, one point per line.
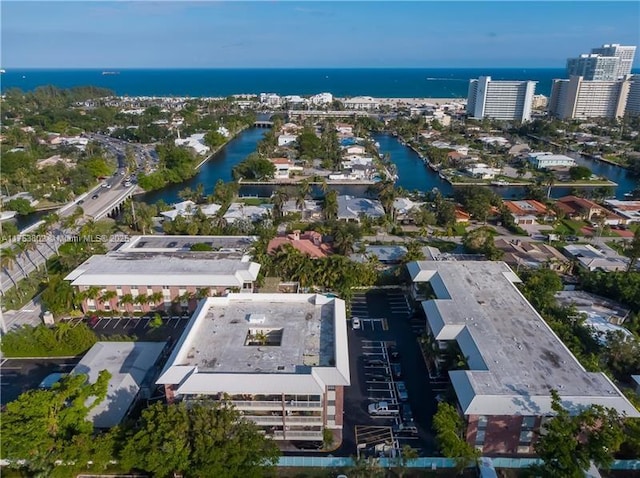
2	70
110	72
6	215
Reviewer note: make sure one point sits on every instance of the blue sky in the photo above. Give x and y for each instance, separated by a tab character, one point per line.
230	34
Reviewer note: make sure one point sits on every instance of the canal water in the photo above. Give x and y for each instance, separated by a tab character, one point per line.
413	174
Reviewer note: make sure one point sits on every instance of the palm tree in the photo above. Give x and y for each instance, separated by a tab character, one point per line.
15	254
107	296
156	298
343	241
304	189
7	261
126	299
279	198
203	293
330	205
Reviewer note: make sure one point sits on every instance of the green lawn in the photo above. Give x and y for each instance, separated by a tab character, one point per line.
253	201
569	227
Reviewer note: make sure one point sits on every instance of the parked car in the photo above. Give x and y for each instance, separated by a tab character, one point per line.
374	362
394	355
406	413
403	395
382	408
95	196
93	321
396	370
355	323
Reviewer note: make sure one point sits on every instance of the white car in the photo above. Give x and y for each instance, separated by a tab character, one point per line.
355	323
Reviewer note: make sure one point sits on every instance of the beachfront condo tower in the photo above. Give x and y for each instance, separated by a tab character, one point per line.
501	100
605	63
577	98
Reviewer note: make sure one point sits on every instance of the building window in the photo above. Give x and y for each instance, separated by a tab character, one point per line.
331	403
92	308
528	423
526	437
480	437
331	417
137	308
482	422
166	287
331	387
107	307
247	285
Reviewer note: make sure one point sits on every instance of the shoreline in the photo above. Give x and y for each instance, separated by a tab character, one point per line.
219	148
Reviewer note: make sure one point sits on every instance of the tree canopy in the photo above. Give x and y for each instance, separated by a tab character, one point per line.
206	439
254	167
569	443
46	427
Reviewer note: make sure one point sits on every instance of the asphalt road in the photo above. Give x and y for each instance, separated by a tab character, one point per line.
20	375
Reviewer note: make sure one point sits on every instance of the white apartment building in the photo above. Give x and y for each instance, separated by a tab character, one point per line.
550	160
594	67
578	98
606	63
281	359
270	99
321	99
502	100
514	358
624	53
633	100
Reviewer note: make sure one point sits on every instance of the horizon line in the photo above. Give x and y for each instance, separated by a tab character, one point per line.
112	68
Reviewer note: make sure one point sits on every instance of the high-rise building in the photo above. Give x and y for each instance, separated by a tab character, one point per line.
605	63
578	98
501	100
594	67
624	53
633	100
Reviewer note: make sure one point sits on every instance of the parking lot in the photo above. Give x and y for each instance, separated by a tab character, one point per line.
20	375
386	366
141	327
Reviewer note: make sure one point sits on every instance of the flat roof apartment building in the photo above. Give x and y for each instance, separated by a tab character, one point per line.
514	358
160	273
577	98
281	359
501	100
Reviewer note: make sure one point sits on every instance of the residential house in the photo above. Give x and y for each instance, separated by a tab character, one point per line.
482	171
311	210
344	128
550	160
361	103
310	243
287	139
592	259
245	212
195	141
628	210
403	209
584	209
352	208
528	211
189	208
518	253
284	166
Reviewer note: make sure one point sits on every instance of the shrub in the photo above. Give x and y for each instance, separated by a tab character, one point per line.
42	341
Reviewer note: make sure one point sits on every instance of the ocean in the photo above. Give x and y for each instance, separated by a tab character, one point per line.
382	83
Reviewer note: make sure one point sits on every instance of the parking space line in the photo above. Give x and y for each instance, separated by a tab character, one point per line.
385	325
176	324
117	322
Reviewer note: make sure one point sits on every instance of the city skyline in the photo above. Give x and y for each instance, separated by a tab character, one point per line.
229	34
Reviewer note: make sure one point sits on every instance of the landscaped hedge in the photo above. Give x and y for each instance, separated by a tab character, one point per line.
63	339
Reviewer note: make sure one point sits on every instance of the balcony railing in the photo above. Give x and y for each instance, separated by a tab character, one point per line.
274	404
297	435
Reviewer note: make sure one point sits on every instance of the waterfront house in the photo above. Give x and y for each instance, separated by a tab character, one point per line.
462	216
189	208
354	149
311	210
287	139
482	171
344	128
244	212
283	167
361	103
403	209
549	160
195	141
352	208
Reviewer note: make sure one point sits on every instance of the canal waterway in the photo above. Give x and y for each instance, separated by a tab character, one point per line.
413	174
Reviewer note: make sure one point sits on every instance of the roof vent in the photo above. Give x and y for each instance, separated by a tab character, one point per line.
257	318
